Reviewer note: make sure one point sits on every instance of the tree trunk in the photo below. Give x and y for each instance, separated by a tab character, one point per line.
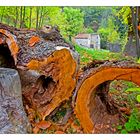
136	33
30	22
47	67
94	107
132	46
24	13
37	17
41	16
12	116
16	20
21	17
2	14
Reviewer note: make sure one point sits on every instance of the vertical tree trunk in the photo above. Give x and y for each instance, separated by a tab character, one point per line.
37	17
135	29
21	17
7	16
136	34
30	22
16	16
132	46
70	39
23	21
41	14
2	14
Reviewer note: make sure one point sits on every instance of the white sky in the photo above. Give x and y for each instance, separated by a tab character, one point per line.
70	2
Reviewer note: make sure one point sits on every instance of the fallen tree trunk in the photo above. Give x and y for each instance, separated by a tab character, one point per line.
47	68
13	118
93	106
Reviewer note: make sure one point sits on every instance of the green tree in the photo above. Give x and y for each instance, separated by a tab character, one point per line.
131	17
74	21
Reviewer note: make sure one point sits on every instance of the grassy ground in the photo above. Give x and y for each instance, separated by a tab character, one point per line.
88	54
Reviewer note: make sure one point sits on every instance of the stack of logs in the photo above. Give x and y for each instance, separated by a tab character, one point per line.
49	72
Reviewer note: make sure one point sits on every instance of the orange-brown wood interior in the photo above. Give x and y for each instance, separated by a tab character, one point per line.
11	42
61	67
86	93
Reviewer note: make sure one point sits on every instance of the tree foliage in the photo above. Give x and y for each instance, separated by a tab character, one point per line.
106	22
112	23
69	20
74	21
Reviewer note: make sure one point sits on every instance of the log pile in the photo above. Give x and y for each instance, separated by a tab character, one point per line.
48	68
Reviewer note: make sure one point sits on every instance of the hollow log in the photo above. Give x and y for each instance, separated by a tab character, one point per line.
47	67
93	106
13	118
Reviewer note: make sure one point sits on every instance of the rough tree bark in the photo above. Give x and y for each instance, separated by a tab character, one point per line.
47	67
132	46
12	116
93	106
137	33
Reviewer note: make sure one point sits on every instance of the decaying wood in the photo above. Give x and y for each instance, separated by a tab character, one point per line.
47	66
13	118
93	110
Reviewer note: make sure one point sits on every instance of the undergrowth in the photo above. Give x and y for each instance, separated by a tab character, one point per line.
89	54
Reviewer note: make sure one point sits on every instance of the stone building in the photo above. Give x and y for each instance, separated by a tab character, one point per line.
88	40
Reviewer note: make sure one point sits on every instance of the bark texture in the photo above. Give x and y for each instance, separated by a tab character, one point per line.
47	66
13	118
93	106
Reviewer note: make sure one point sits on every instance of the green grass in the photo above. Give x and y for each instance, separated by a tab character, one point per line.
88	54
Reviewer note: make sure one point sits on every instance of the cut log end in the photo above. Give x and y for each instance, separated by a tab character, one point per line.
47	68
57	84
93	110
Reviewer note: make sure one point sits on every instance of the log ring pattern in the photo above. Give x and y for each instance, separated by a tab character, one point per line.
92	79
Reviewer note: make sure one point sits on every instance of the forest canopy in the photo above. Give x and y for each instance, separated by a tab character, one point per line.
70	20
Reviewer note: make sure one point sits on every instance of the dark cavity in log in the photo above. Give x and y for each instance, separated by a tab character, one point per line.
6	59
102	91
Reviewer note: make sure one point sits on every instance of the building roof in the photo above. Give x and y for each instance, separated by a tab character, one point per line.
85	36
82	36
95	34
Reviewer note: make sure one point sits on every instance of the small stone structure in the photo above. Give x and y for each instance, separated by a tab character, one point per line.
114	47
88	40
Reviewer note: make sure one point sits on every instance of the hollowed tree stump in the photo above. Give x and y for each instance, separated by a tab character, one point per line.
47	68
13	118
93	107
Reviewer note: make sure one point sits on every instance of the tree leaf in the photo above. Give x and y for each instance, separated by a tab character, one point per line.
35	130
33	40
59	132
44	124
124	131
133	89
138	98
119	127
